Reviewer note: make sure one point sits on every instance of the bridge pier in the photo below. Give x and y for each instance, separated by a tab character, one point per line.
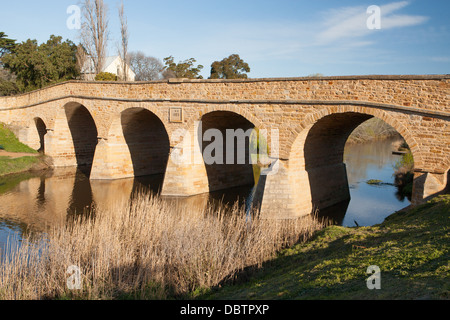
111	161
30	136
201	163
285	193
60	149
328	185
184	180
427	184
186	172
275	197
73	139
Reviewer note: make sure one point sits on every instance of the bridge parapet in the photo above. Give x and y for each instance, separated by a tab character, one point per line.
427	93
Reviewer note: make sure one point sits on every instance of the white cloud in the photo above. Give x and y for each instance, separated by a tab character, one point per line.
339	30
440	59
351	22
328	40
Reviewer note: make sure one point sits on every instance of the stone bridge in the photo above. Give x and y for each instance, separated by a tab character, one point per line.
123	130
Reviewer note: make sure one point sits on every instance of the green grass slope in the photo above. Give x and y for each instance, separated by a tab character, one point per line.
410	248
10	143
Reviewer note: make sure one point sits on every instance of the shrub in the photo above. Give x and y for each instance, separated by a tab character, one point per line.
404	175
105	76
406	163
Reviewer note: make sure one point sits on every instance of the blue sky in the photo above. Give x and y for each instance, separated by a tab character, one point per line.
278	38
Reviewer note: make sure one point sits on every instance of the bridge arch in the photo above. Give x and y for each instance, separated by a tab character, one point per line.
137	144
225	147
41	129
232	108
206	133
83	131
316	160
297	138
147	140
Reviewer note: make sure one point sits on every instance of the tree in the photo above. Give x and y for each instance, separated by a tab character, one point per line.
232	67
8	88
145	67
183	69
94	32
7	79
6	45
36	66
82	60
123	50
61	57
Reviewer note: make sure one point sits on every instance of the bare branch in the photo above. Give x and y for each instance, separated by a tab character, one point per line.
145	67
94	32
123	49
82	59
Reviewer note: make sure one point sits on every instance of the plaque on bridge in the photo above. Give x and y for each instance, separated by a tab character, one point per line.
176	115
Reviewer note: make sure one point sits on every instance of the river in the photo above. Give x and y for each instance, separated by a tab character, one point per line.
370	204
30	203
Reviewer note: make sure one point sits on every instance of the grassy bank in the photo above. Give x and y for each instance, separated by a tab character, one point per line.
11	166
411	249
10	144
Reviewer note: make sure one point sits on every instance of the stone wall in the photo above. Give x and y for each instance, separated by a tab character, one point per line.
312	116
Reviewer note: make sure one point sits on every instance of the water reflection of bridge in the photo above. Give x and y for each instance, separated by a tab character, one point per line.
50	199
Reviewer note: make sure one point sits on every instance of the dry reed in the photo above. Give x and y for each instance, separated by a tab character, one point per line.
145	249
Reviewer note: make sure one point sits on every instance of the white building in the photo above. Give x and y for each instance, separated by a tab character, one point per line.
112	65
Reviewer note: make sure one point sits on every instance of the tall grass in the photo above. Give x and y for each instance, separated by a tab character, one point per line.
145	249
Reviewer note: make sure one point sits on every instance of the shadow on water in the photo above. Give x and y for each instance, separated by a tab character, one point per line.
40	199
147	185
334	215
240	195
86	198
81	201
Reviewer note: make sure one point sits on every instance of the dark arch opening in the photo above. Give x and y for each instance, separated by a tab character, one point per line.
226	170
147	140
42	131
84	134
